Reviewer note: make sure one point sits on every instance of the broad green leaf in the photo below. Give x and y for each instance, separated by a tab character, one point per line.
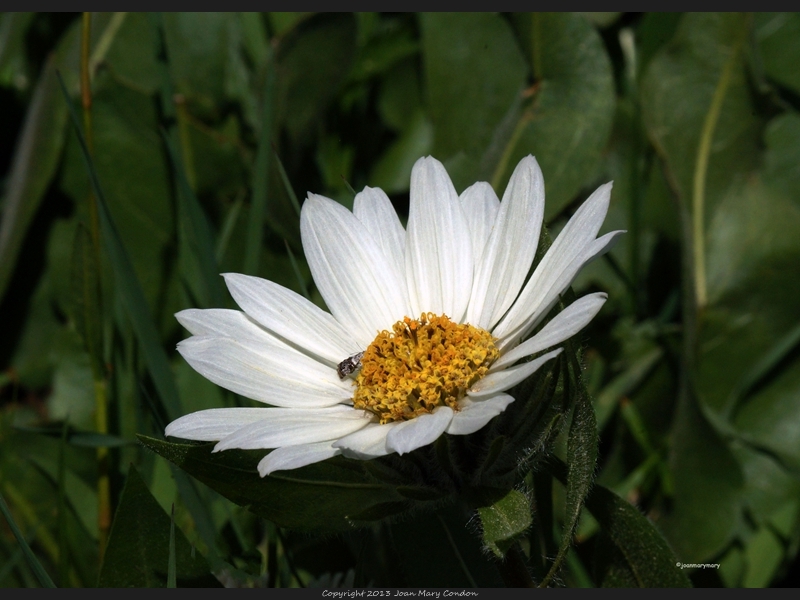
764	554
131	55
312	61
769	486
770	418
776	35
751	328
138	552
655	30
385	47
469	98
635	550
34	164
400	96
678	90
14	69
392	172
281	22
782	156
203	48
504	521
331	496
567	126
704	473
640	554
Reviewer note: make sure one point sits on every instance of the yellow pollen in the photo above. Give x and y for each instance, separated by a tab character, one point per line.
421	364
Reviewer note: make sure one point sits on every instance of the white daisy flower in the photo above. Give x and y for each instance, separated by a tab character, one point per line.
425	329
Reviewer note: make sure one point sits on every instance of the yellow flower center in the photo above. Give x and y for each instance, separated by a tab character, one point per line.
421	364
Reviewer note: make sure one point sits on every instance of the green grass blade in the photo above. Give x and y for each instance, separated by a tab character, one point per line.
61	504
287	184
228	225
194	225
34	563
296	268
171	578
258	205
128	286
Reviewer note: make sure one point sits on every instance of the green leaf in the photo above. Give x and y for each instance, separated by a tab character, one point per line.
312	62
14	69
504	521
469	97
330	496
570	120
677	93
776	35
643	554
138	552
392	171
131	55
705	474
34	164
203	50
640	554
782	156
763	555
751	330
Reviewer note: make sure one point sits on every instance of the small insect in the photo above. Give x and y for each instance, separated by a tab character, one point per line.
349	365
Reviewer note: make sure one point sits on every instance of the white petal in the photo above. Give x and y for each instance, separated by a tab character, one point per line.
500	381
294	457
562	327
219	322
480	205
509	252
213	424
555	268
292	317
366	443
275	374
558	285
475	415
439	260
374	209
418	432
362	288
293	426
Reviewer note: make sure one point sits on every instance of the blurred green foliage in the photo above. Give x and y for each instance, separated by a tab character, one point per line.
204	129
